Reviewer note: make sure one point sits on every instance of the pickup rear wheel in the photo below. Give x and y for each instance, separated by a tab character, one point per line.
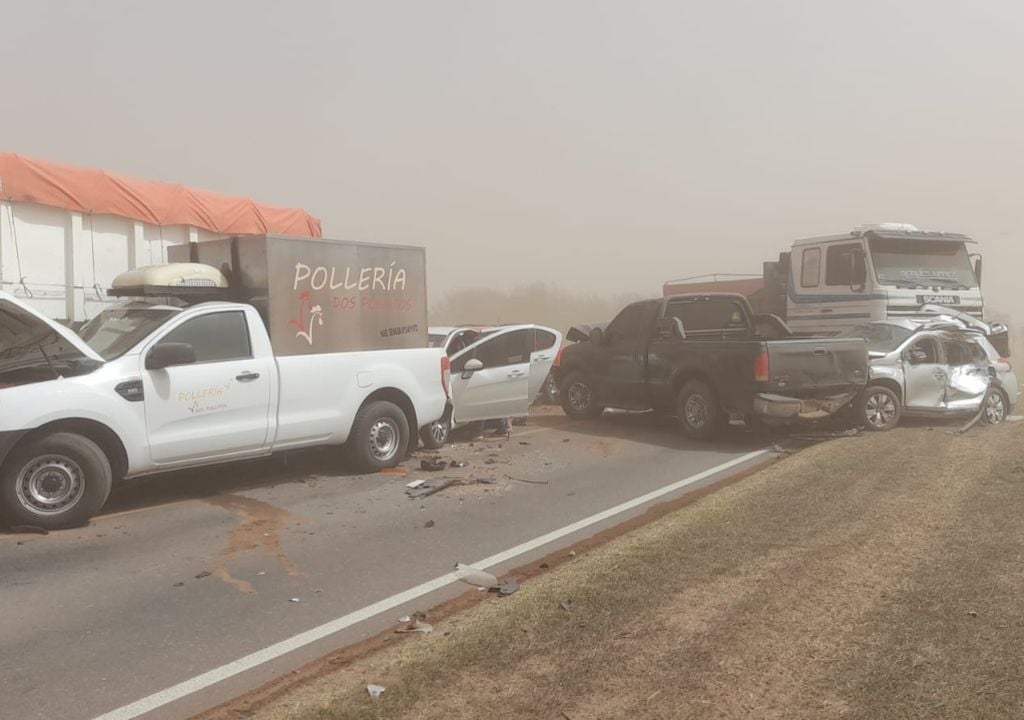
878	408
380	437
700	414
579	399
56	481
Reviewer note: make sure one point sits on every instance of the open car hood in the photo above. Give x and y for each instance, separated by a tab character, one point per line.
581	333
22	325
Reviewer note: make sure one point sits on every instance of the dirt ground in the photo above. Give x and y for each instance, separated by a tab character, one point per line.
877	576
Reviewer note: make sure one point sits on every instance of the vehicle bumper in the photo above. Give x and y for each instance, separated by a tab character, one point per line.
783	407
8	439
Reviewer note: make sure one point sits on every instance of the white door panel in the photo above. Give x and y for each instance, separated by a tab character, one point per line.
207	410
218	406
502	388
492	393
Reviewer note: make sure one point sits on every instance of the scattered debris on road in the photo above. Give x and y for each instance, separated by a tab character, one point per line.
524	480
433	464
509	587
472	576
178	584
416	626
203	574
428	524
375	690
415	484
566	605
429	488
294	600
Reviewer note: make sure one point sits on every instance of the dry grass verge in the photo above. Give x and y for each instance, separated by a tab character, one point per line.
870	577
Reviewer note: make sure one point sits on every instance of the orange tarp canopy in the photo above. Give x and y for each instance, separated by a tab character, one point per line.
85	190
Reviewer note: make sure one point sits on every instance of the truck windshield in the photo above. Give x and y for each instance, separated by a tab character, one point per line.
881	337
913	261
117	330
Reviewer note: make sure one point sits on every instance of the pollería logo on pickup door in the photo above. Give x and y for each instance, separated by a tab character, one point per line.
938	300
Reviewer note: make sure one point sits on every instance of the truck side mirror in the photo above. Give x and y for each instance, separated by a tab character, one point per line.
167	355
977	269
472	365
596	336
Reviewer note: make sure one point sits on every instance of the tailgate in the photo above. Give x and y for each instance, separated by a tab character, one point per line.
817	366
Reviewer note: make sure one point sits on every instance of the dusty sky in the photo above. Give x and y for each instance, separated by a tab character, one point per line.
604	146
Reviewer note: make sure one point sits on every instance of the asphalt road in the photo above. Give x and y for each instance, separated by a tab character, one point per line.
187	572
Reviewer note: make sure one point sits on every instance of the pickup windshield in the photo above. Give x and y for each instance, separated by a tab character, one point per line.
117	330
881	337
912	261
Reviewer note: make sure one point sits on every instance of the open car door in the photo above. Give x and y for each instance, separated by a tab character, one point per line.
491	377
546	345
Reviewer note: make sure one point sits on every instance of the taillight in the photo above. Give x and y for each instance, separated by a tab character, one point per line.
1000	361
446	375
558	357
762	372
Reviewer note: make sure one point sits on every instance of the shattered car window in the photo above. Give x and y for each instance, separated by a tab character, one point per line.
881	337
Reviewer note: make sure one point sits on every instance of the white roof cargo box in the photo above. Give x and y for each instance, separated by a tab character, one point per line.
175	279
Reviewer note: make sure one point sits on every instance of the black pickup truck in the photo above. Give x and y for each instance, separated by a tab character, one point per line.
706	359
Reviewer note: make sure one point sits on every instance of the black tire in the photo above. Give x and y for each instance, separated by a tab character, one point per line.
579	399
54	482
380	437
699	412
997	407
878	408
437	434
550	392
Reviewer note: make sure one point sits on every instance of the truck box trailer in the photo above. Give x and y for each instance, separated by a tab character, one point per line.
320	295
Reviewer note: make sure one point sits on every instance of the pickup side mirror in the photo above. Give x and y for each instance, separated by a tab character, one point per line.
669	328
472	365
596	336
977	269
167	355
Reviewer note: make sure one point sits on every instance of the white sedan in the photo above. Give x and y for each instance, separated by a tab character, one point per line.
496	373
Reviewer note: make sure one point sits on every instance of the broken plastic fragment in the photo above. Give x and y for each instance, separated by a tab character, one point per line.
415	484
508	587
472	576
294	600
375	691
433	464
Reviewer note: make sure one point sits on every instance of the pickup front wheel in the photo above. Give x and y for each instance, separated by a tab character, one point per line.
579	400
53	482
700	414
380	437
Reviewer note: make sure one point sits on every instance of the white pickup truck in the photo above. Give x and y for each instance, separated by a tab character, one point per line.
148	386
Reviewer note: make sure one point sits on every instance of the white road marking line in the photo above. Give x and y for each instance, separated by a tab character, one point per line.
272	652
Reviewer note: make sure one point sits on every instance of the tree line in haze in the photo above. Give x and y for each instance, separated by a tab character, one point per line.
538	303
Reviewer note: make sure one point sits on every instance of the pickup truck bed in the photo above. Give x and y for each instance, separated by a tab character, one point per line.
699	357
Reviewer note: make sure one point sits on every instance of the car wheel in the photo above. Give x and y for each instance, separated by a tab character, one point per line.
435	435
699	412
380	437
996	405
551	394
57	481
579	399
879	408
